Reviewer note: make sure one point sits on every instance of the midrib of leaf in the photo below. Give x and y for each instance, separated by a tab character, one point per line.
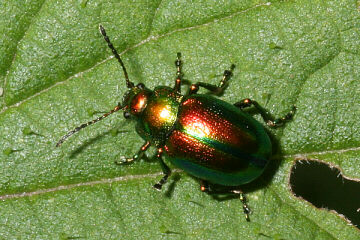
153	175
272	189
81	184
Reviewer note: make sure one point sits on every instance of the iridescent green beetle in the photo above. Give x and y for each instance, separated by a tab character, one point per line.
208	138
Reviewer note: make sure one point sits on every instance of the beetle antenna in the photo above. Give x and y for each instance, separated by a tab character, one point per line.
84	125
107	39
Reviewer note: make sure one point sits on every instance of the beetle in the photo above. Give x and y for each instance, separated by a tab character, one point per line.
206	137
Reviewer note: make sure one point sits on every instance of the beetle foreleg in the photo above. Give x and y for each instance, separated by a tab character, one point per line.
268	118
166	170
137	156
211	87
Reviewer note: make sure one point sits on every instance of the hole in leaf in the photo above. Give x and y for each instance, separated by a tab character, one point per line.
324	186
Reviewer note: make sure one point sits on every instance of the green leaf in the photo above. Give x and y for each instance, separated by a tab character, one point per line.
56	72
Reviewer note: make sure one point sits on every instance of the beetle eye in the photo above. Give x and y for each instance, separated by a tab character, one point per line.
138	103
140	86
126	115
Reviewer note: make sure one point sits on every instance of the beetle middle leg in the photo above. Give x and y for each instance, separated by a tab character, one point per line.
211	87
137	156
166	171
205	187
268	118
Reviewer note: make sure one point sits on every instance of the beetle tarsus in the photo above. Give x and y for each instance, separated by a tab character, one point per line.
226	76
138	155
243	200
162	181
124	160
217	90
280	121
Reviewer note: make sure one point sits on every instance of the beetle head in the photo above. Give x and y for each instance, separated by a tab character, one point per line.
136	100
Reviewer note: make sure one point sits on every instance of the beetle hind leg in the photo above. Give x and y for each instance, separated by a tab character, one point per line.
243	200
194	88
205	187
268	118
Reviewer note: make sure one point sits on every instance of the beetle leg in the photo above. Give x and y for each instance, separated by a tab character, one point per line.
166	170
280	121
243	199
137	156
268	118
205	187
211	87
178	64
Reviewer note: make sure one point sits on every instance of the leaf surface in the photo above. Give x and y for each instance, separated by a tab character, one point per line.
56	72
